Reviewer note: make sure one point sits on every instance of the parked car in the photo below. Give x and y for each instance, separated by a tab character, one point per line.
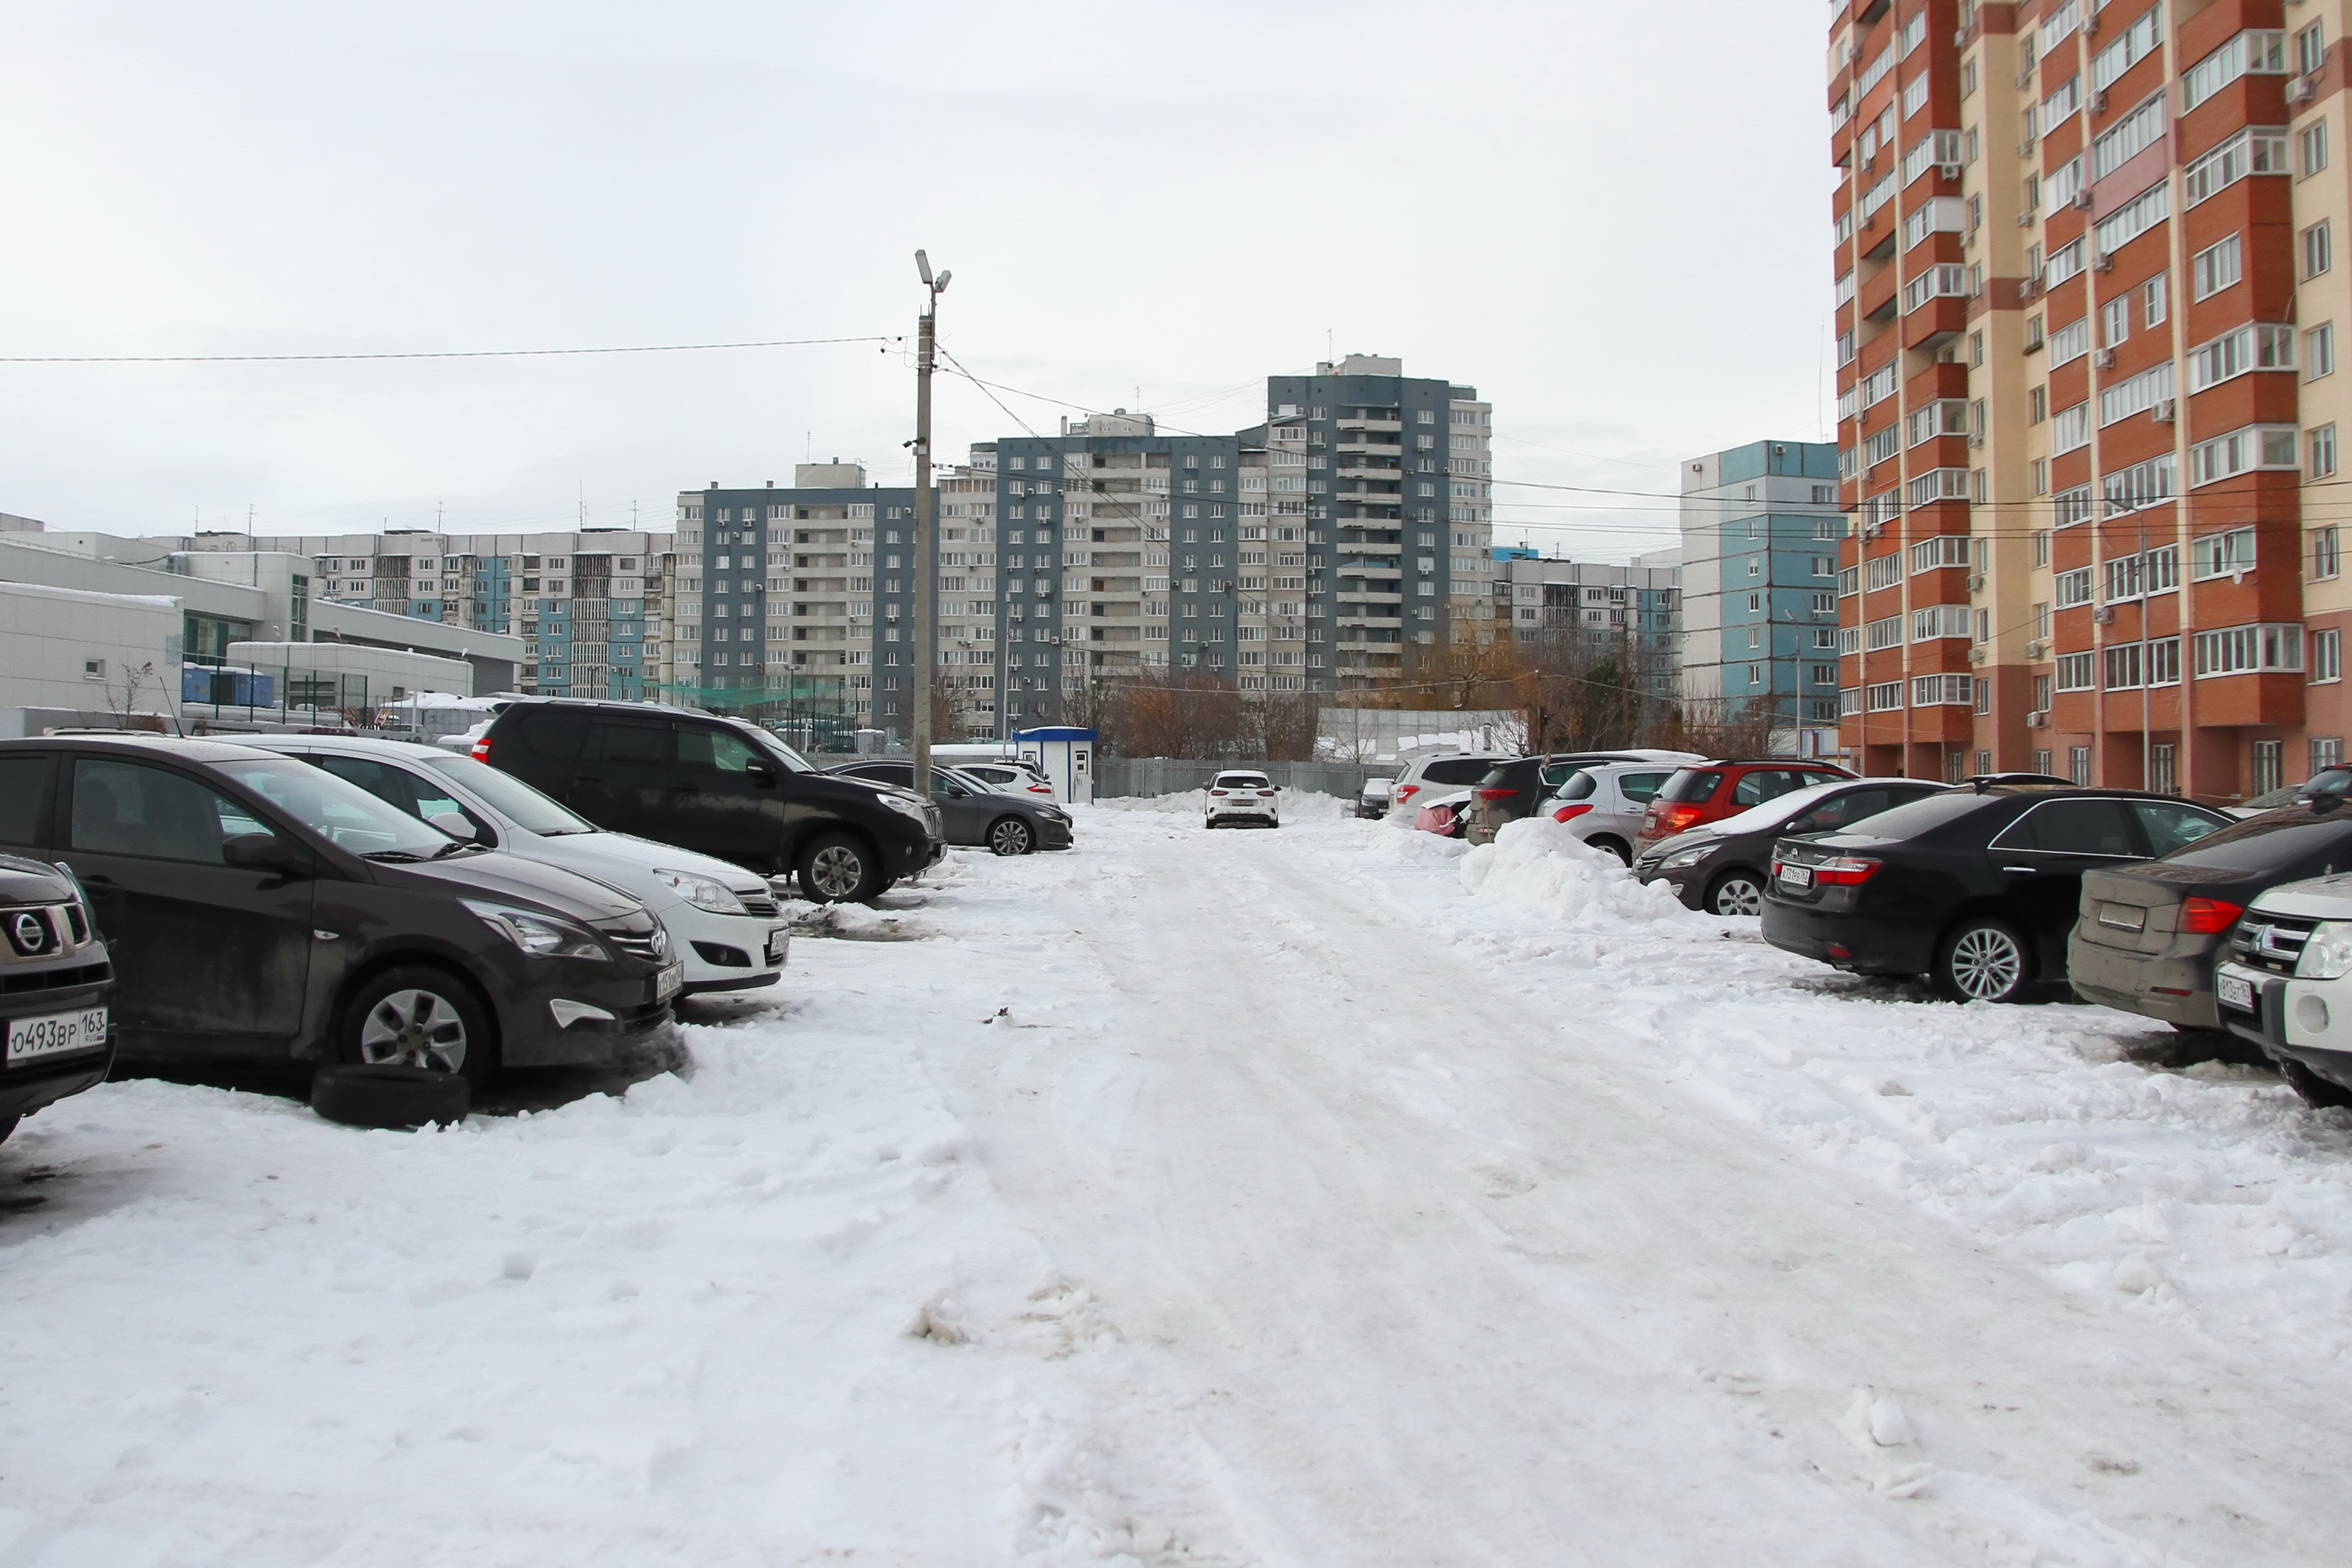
723	920
1440	773
729	789
1722	869
2147	937
971	813
1238	797
1709	791
1975	889
1443	816
1372	801
55	976
257	906
2285	983
1602	803
1514	788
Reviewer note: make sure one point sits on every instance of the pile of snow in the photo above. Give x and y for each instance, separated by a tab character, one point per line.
1539	862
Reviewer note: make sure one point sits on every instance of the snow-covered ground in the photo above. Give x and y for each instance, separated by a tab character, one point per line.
1321	1196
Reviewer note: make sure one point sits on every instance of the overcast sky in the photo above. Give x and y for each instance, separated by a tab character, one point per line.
1609	217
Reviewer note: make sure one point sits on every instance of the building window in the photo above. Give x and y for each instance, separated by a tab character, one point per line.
2152	303
2322	451
2214	269
2319	344
2327	752
2326	554
2327	652
2318	249
2078	764
2270	765
2313	143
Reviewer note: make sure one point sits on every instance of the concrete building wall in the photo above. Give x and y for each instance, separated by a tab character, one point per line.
79	655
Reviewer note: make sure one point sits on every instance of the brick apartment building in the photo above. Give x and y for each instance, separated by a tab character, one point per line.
2087	316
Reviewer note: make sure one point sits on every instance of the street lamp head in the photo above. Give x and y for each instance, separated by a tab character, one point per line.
941	286
923	266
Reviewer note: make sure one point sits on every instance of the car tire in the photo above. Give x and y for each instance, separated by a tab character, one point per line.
1616	846
385	1095
1983	960
421	1016
839	868
2317	1091
1010	836
1737	891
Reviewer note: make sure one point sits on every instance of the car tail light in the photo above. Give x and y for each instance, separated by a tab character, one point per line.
1496	793
1220	792
2207	917
1845	871
1265	793
1674	818
1565	812
480	750
1040	789
1406	791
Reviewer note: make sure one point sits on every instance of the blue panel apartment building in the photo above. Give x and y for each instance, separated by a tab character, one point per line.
1760	526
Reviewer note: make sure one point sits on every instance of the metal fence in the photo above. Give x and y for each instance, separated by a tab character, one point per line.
1116	776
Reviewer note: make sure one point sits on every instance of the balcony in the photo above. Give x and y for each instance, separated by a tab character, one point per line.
1390	427
1372	448
1390	498
1390	573
1372	471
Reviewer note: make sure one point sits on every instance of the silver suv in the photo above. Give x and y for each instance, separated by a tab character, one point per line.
1602	803
1423	779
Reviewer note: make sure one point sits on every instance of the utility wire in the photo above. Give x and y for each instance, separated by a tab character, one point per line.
441	353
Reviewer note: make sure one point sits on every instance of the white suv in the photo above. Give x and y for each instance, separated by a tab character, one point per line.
2285	983
1423	779
1242	797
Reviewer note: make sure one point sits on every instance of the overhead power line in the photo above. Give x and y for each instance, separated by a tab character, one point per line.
431	354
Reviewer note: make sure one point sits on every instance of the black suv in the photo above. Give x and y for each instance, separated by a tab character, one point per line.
256	905
1975	889
54	978
718	786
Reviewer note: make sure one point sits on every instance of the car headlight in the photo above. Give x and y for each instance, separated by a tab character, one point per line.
701	892
905	807
541	936
1682	858
2328	954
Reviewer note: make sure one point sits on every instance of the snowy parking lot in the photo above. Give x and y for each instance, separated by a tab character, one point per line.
1320	1196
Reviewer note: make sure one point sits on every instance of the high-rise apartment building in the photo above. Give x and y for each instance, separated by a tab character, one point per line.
2087	316
1760	526
1632	614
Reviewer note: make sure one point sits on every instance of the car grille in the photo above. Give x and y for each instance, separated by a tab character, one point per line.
56	979
758	904
2271	942
931	818
42	931
653	946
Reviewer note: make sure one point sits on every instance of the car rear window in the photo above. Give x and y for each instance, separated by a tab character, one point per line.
2275	842
1692	786
1579	788
1458	770
1241	781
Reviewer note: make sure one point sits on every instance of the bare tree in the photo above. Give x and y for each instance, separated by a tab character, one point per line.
122	690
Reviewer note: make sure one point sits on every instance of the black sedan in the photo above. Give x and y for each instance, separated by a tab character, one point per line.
1975	889
973	815
1721	868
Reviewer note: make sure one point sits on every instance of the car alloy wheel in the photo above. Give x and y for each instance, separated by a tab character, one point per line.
1984	963
414	1028
1738	894
1011	836
838	871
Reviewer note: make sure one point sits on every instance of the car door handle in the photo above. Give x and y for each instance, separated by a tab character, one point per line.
98	880
2025	870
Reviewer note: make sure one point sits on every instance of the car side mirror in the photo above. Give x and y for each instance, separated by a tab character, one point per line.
259	852
458	826
2321	804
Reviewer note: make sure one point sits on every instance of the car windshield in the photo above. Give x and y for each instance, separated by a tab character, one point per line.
521	804
340	812
792	760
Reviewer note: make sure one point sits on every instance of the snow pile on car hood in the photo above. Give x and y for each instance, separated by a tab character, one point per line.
1537	861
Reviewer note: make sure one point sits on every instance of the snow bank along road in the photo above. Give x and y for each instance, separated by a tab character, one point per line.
1323	1196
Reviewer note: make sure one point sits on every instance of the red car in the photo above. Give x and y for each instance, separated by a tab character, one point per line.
1709	791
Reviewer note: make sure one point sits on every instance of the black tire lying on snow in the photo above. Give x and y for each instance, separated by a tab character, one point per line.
384	1094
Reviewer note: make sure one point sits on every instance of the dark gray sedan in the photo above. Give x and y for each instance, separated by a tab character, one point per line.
973	815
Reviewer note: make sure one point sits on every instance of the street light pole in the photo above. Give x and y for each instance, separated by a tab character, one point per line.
927	582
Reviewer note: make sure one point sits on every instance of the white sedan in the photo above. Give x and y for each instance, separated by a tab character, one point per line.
1242	797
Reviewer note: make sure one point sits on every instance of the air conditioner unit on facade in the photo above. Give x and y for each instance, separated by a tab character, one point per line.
2162	412
2105	614
2033	650
2037	720
1976	656
1976	440
1960	37
1949	170
1976	581
2082	199
2025	220
2099	102
2103	262
2104	359
2302	89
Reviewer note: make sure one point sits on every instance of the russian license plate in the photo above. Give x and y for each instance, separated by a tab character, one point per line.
670	980
55	1035
2235	992
778	940
1795	875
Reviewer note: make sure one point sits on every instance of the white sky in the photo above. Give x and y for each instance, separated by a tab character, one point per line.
1608	217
